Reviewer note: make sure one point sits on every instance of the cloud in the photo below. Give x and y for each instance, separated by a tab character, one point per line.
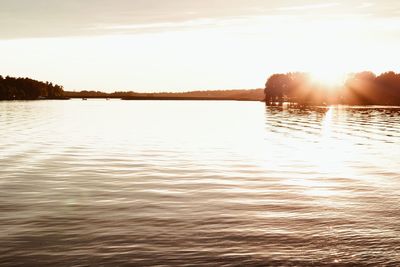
366	5
160	25
307	7
63	18
57	18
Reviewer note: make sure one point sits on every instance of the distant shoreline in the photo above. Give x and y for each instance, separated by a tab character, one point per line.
211	95
364	88
219	99
188	98
144	99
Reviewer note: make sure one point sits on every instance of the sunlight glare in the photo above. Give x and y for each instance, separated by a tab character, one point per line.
328	78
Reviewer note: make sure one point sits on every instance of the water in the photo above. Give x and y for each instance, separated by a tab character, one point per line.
130	183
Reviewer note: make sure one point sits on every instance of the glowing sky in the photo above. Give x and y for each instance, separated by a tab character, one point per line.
175	45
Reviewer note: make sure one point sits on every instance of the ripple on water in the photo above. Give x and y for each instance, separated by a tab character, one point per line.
197	183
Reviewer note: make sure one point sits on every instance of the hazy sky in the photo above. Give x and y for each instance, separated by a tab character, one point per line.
171	45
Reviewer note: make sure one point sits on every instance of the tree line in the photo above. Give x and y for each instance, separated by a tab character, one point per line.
28	89
233	94
362	88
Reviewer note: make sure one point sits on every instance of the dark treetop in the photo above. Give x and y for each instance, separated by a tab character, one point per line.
28	89
363	88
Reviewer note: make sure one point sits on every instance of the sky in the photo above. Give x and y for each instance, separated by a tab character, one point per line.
181	45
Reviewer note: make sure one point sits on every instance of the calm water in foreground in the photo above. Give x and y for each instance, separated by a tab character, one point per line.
128	183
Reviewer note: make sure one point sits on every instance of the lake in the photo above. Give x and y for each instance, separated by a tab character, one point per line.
198	183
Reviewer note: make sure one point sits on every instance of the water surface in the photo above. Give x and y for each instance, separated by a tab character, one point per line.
130	183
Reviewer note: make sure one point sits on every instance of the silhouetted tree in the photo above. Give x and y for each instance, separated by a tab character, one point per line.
359	89
27	89
276	88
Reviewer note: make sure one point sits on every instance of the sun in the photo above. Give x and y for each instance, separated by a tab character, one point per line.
327	78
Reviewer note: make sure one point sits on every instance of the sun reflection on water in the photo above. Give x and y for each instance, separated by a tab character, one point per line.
317	185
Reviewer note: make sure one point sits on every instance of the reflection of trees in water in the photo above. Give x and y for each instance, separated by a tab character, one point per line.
358	89
297	110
